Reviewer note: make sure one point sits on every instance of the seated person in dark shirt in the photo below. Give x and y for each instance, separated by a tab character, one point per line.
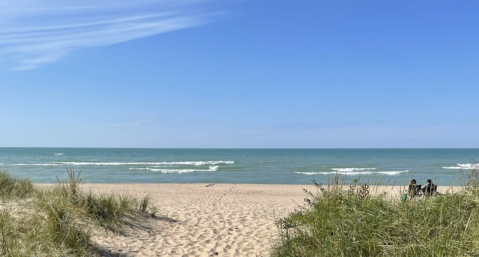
429	188
414	188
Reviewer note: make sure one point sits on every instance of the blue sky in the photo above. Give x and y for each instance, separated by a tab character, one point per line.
164	73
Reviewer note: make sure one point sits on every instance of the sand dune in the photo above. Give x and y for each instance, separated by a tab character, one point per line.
201	220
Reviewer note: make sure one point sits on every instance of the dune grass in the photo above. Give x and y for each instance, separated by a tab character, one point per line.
106	210
11	187
353	222
58	220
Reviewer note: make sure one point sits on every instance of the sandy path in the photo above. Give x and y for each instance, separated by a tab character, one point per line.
220	220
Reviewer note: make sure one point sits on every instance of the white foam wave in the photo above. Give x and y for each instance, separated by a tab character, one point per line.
193	163
466	166
393	172
36	164
307	173
58	154
352	169
179	171
389	173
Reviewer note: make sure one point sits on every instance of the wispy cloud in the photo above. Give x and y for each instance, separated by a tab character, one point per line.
33	33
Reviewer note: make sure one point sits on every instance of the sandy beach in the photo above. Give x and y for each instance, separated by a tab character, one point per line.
217	220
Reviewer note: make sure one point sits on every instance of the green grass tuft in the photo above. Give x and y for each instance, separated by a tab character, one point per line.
11	187
56	221
64	231
144	202
352	222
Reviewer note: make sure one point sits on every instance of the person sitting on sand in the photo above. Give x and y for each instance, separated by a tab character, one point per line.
429	188
414	188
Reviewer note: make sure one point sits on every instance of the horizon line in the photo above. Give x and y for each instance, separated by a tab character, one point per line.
243	148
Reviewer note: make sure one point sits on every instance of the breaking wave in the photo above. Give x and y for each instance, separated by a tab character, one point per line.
466	166
179	171
36	164
351	169
364	172
193	163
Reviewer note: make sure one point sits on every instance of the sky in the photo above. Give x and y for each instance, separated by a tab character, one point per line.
239	73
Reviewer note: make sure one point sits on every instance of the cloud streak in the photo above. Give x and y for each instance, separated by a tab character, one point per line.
34	33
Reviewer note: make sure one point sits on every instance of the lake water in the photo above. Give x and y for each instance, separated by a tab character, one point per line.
265	166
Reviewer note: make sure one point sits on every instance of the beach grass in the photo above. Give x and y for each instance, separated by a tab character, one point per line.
11	187
58	220
342	221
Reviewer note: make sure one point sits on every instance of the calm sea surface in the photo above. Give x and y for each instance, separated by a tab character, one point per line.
268	166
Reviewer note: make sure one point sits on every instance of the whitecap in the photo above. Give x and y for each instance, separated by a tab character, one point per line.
36	164
389	173
307	173
352	169
179	171
466	166
392	173
193	163
58	154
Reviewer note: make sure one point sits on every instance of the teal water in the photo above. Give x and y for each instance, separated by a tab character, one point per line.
265	166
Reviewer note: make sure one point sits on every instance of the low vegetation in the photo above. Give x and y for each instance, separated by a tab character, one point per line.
337	222
58	220
13	188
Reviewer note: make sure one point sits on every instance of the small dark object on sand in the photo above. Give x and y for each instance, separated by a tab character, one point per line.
210	185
